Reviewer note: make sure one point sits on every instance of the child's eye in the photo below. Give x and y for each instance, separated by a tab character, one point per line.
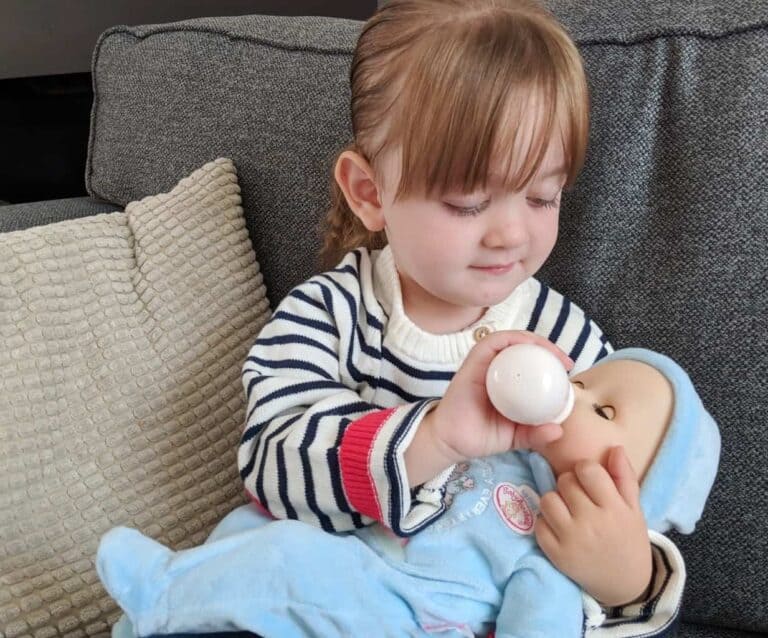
539	202
467	211
605	411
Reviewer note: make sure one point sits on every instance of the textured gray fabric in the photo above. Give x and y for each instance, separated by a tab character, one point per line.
269	92
122	337
708	631
662	240
21	216
636	20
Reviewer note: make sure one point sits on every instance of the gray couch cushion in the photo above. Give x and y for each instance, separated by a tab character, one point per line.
269	92
21	216
662	240
707	631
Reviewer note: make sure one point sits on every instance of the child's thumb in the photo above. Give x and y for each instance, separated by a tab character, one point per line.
623	475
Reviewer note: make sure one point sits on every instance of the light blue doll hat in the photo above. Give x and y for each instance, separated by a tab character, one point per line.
676	486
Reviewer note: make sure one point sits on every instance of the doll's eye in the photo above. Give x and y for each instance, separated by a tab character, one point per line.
578	384
604	411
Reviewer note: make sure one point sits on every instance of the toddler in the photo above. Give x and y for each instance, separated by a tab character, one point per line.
469	117
367	385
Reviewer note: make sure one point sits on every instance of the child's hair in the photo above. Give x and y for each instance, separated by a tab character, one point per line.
448	84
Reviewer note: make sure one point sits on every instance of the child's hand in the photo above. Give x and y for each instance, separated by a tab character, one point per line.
465	425
593	530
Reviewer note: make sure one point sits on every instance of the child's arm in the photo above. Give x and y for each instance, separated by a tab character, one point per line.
592	508
657	613
319	445
306	381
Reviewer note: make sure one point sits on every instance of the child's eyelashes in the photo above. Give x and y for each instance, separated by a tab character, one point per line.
467	211
539	202
475	209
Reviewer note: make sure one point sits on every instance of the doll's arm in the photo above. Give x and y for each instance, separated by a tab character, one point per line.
539	601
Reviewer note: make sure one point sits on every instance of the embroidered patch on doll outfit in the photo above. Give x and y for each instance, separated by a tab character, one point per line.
517	506
466	494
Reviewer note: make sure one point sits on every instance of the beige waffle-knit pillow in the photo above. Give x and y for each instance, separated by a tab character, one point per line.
122	337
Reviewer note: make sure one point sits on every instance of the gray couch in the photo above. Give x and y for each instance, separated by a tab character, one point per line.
663	239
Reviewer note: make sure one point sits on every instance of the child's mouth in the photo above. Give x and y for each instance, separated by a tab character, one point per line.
496	269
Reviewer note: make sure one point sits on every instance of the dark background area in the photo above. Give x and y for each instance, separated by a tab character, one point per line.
45	82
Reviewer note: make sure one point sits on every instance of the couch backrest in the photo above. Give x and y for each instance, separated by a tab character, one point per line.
663	239
271	93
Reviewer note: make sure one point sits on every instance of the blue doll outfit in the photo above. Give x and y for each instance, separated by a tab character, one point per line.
476	566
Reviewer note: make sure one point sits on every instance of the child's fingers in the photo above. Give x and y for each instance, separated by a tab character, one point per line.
555	512
623	476
596	481
573	494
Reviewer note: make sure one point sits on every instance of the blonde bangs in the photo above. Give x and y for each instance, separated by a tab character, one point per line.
466	93
484	104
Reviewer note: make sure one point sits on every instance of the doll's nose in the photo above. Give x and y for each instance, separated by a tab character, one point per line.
579	393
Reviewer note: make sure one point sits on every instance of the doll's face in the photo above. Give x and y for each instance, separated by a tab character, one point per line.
620	402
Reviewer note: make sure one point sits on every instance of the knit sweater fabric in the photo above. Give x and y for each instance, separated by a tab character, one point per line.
340	378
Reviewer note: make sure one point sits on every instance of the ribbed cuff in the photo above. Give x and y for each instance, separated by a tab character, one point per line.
355	461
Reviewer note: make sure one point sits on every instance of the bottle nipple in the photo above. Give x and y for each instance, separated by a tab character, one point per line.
528	384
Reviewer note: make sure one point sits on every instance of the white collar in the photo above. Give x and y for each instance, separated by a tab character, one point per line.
405	337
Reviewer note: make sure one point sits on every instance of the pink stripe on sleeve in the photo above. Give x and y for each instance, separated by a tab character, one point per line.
354	459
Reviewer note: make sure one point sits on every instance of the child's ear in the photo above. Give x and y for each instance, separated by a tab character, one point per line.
356	179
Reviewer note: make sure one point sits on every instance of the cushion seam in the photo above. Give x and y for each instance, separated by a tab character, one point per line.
171	29
650	36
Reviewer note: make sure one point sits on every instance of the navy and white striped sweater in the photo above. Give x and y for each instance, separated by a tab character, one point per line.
340	378
338	381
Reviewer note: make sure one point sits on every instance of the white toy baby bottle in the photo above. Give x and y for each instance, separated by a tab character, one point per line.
528	384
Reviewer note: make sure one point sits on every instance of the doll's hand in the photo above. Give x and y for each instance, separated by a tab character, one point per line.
593	530
464	424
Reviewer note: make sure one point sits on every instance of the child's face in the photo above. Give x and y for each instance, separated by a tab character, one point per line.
620	402
458	254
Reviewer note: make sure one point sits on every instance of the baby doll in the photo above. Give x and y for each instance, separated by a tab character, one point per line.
477	566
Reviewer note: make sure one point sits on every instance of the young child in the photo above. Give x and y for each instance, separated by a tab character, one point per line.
469	118
478	566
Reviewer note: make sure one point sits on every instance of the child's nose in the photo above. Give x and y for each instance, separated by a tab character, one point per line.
506	228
